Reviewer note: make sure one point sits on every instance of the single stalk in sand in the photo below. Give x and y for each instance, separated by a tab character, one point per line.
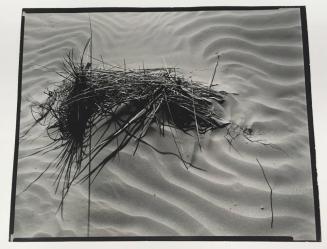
214	71
270	196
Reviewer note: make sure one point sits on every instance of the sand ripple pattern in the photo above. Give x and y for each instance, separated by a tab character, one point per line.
151	194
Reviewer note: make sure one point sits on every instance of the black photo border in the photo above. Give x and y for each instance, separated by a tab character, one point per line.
169	238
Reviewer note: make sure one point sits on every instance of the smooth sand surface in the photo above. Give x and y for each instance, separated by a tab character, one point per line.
153	194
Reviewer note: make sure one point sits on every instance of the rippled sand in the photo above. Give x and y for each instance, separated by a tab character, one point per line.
152	194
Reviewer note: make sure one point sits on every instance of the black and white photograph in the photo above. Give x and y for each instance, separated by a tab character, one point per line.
164	124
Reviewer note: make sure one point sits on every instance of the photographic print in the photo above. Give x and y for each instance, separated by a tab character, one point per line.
164	124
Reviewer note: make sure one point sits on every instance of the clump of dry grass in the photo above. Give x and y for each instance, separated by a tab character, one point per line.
119	105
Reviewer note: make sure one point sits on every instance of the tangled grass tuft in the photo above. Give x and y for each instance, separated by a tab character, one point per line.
119	105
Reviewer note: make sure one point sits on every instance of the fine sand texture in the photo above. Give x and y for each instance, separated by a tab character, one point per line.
150	194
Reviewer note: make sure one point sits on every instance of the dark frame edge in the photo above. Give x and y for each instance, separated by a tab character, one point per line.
19	92
152	9
161	238
307	74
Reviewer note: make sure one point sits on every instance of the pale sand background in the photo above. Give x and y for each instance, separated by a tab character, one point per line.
151	194
10	25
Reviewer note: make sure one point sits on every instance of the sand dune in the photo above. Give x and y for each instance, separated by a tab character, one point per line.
153	194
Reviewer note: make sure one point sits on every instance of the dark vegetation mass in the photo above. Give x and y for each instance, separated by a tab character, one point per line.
115	106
